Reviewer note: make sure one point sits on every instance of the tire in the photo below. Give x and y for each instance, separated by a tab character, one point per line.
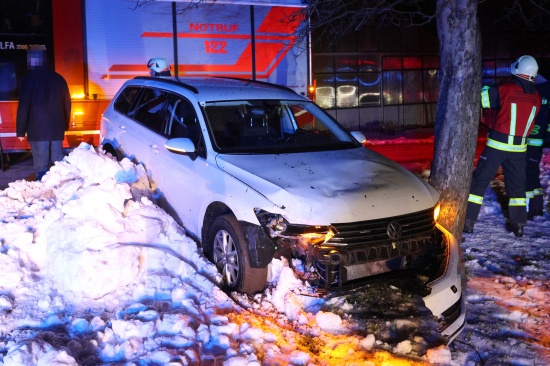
229	252
108	148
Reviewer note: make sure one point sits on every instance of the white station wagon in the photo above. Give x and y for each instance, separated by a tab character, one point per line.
255	171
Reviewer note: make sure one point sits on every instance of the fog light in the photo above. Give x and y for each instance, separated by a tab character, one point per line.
335	257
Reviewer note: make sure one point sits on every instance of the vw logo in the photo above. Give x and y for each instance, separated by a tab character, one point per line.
394	230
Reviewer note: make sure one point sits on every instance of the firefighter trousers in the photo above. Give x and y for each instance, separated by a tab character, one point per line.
533	186
513	168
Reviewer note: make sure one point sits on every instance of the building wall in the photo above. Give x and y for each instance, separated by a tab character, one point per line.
386	81
379	80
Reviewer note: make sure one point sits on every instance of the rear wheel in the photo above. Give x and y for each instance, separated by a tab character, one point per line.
108	148
229	252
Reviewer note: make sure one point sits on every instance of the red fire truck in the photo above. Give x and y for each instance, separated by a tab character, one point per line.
98	44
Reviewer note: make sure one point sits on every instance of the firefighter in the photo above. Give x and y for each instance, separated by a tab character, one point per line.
158	66
510	109
538	137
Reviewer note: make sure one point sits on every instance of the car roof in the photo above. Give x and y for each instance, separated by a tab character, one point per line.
219	88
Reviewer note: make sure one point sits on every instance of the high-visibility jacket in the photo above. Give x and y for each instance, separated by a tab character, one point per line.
541	132
514	105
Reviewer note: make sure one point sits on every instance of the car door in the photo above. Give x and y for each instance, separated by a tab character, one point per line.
182	181
114	117
142	122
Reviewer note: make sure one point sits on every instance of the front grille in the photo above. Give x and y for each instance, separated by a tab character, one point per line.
388	251
374	231
364	249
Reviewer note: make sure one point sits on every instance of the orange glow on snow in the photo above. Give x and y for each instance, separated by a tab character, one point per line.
325	349
530	299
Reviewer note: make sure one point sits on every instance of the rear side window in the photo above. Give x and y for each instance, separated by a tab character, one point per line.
148	109
125	99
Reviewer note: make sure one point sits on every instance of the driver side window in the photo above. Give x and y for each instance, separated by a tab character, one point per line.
181	121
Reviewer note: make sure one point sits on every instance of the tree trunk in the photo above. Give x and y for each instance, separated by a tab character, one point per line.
458	109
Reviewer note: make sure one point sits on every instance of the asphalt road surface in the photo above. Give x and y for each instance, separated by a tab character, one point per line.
16	166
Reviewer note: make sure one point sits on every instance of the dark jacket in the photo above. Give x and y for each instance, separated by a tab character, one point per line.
44	109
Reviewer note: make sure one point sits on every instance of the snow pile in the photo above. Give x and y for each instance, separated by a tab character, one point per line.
94	272
80	223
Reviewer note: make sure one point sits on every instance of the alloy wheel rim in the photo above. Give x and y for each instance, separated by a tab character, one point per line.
226	257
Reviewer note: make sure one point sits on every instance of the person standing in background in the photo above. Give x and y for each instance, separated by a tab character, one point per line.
510	109
537	139
43	112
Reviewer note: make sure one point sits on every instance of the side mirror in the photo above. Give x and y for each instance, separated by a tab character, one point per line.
359	136
180	145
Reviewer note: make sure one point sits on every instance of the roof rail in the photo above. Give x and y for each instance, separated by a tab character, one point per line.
282	87
169	81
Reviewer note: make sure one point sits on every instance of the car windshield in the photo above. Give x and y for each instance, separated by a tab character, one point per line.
273	126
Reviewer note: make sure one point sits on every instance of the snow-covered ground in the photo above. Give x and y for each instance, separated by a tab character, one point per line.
93	272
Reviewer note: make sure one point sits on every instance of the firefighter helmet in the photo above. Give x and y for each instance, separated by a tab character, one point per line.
525	67
158	67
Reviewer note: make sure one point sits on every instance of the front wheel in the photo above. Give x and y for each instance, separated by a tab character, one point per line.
108	148
229	252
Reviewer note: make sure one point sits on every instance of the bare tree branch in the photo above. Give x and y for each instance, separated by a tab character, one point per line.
333	19
180	6
532	14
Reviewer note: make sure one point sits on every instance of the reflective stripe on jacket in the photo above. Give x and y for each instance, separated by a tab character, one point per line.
540	133
516	109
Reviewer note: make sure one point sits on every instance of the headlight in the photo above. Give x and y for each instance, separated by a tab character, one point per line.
277	225
437	209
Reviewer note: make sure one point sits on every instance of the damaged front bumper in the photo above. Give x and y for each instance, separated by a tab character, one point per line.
446	299
346	256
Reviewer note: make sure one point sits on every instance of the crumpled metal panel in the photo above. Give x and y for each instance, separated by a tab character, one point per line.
341	186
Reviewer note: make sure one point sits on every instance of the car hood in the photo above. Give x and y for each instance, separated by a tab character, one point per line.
320	188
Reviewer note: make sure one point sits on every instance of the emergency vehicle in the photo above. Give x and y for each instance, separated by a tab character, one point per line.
98	45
